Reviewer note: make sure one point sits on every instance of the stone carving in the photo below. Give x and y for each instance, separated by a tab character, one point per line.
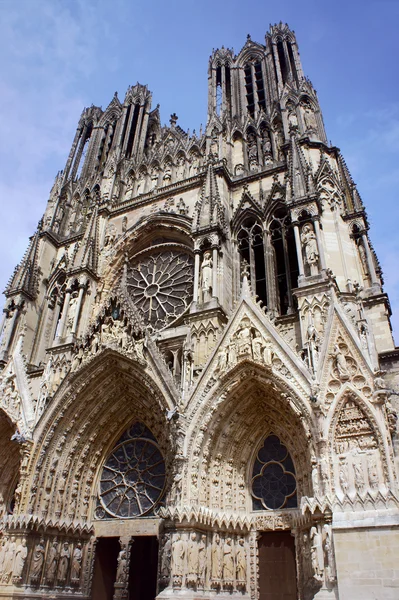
340	363
228	565
309	244
246	342
316	551
343	475
166	557
37	562
372	471
63	565
266	148
329	554
241	566
52	562
292	117
121	571
217	563
3	552
192	561
76	565
202	561
206	277
358	476
21	554
9	560
252	152
178	560
354	430
309	117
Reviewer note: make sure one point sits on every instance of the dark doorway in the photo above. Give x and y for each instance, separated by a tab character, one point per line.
277	573
143	568
107	550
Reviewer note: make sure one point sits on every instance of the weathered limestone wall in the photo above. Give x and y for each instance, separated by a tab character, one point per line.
367	563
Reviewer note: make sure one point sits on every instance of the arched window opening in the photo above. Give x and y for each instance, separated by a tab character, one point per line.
82	151
228	87
132	132
251	248
250	90
219	93
125	124
273	484
283	64
260	87
133	476
292	62
286	260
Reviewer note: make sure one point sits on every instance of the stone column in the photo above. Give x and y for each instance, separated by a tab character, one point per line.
121	586
320	246
64	313
78	308
196	275
299	250
215	271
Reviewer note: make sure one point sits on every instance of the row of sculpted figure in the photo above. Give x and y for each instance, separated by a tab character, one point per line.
246	342
194	561
51	570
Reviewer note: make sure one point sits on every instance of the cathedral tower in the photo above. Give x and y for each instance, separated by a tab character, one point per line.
198	372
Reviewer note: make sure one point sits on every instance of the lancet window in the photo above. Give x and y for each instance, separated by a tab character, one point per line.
273	477
80	156
133	476
251	247
254	87
285	259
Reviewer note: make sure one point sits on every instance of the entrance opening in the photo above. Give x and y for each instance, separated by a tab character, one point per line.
107	550
143	568
277	572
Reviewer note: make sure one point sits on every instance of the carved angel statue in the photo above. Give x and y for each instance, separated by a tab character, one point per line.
19	561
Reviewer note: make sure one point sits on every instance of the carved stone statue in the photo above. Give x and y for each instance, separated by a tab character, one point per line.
202	561
206	277
344	476
121	568
9	560
317	553
241	565
267	353
217	563
166	559
21	553
257	346
252	152
309	117
309	243
3	551
178	560
63	565
358	476
228	564
373	473
52	562
292	118
340	363
222	360
76	563
37	562
329	553
192	561
244	338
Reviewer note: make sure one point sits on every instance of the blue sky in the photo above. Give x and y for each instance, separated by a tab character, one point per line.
61	55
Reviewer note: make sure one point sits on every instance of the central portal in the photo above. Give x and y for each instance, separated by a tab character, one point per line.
142	583
277	572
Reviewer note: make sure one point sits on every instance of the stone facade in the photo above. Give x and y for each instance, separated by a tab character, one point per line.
198	372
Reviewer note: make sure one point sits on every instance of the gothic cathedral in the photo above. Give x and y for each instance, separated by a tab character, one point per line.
198	371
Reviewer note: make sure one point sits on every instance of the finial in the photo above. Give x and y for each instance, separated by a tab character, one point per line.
173	119
248	36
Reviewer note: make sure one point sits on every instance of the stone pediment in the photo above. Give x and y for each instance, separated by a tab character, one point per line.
250	336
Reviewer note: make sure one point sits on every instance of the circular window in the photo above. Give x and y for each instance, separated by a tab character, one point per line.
161	286
133	476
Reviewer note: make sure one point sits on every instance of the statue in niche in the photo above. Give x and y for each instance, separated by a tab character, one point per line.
214	147
228	564
121	571
244	338
206	277
315	477
180	168
266	148
19	561
252	151
166	559
241	565
178	559
3	551
363	257
192	561
309	116
372	472
222	360
268	353
279	138
52	562
309	243
9	560
202	561
217	562
344	476
329	553
63	565
76	563
140	183
340	363
154	178
232	353
358	476
257	346
181	207
292	117
316	552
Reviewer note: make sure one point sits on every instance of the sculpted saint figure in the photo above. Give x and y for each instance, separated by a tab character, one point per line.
178	556
19	561
76	562
52	562
9	559
317	552
121	570
202	561
192	561
340	362
309	243
166	558
37	561
206	277
217	562
241	564
228	563
72	310
244	338
257	346
3	551
63	565
222	360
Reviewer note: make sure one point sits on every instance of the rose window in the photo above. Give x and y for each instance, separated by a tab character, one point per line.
133	476
161	286
273	477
